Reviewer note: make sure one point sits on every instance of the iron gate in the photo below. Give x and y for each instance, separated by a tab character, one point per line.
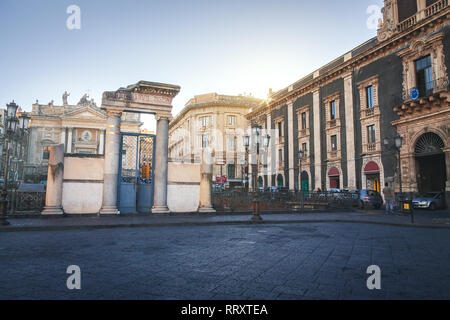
137	153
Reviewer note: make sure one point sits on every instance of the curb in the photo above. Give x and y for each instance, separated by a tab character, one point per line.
204	224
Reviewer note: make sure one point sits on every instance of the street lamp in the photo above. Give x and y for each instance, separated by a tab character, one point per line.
246	145
266	143
11	126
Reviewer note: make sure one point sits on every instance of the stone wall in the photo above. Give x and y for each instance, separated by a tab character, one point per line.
83	184
183	187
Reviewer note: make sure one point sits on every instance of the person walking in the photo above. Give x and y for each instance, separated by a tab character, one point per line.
389	199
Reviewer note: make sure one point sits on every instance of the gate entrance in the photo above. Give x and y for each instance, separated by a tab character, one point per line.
430	163
136	174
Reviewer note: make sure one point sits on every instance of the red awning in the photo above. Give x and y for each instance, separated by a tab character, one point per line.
371	167
334	172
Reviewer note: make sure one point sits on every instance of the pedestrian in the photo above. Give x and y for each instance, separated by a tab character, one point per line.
388	198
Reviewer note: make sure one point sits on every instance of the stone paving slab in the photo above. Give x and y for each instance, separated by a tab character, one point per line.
228	262
439	219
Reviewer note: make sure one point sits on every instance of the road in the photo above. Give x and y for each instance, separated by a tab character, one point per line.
293	261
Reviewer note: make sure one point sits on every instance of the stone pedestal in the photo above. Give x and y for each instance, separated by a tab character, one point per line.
205	205
161	166
111	174
53	199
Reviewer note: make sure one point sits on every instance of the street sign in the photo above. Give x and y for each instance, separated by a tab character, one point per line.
221	179
415	94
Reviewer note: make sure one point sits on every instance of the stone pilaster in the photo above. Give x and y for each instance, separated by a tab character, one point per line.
53	197
350	131
290	123
161	165
317	141
447	184
270	150
111	174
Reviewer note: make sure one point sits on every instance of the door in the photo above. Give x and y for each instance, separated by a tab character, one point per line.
135	192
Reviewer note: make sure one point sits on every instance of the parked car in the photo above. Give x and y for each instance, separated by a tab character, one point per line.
369	198
431	200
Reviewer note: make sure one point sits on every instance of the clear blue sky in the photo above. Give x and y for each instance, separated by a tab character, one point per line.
227	46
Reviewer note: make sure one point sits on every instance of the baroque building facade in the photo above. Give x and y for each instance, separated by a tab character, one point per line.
346	115
81	128
217	123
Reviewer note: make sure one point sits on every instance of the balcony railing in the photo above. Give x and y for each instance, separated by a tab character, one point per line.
428	12
281	140
436	7
371	147
332	123
431	87
407	23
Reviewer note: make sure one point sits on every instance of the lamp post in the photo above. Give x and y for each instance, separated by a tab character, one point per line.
10	129
301	154
266	142
246	145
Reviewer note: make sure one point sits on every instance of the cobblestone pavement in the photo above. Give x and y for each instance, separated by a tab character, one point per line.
295	261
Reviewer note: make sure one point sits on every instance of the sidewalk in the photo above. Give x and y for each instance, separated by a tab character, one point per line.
424	219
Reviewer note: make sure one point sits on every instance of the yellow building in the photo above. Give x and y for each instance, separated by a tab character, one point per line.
81	128
217	123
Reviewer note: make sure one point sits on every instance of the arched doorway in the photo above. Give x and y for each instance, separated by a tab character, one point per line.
372	172
260	182
334	176
430	163
280	181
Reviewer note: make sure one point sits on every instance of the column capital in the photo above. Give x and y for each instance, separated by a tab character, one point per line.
163	116
114	113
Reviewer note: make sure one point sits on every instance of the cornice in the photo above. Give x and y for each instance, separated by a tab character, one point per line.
382	48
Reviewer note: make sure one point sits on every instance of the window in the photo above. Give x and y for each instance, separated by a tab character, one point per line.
205	121
231	143
334	143
424	76
369	97
304	147
333	110
231	120
280	156
204	141
46	153
371	138
231	171
280	129
304	121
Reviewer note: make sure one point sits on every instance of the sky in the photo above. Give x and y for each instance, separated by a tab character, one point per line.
229	47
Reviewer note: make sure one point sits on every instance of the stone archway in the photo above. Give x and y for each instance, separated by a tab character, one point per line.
431	170
143	97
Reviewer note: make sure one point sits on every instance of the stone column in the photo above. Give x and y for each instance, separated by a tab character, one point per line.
205	205
290	123
69	140
317	141
161	165
111	166
101	148
63	137
53	198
